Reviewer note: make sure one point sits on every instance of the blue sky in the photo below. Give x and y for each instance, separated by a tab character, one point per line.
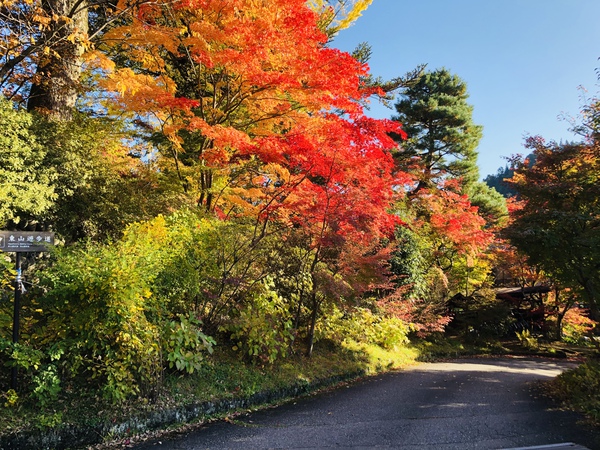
523	60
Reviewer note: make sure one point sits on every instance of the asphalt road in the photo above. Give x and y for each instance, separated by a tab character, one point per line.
464	404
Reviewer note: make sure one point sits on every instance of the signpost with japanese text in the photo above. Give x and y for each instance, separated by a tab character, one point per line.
22	242
25	241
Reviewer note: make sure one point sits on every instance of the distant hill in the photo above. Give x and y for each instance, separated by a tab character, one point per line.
497	181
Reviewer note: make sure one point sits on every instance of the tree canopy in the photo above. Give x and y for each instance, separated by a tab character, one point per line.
442	138
557	223
211	174
27	185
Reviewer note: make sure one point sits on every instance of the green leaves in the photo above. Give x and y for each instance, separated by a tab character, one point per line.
185	343
362	325
126	310
98	307
441	134
26	185
262	329
40	369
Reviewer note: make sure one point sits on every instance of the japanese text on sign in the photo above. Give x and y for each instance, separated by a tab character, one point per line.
25	241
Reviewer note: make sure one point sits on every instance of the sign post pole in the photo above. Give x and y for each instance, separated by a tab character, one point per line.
20	242
16	314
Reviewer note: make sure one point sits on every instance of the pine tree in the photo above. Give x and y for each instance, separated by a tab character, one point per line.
442	138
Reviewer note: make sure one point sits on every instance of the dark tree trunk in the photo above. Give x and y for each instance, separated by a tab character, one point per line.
56	84
313	322
561	313
297	321
591	294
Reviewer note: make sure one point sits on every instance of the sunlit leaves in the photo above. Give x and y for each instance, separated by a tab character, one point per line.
226	83
557	222
336	15
26	185
442	138
41	44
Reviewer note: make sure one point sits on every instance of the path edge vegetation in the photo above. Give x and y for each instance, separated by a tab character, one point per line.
259	387
234	387
226	206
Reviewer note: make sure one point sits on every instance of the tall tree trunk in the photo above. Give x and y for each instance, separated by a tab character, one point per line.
313	322
561	313
591	293
56	84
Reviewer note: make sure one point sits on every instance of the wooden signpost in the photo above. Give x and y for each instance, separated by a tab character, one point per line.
21	242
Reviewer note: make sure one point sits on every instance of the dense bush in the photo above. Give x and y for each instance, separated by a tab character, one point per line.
6	293
112	318
100	310
213	266
120	313
364	326
99	307
262	328
580	388
185	343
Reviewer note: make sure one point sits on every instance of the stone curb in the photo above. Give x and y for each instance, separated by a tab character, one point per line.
77	437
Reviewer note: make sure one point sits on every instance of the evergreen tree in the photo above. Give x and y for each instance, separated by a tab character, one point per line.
442	138
491	203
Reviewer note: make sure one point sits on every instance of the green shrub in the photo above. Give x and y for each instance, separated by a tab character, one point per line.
213	267
96	309
10	398
39	369
391	332
362	325
262	329
185	343
527	340
126	310
580	389
46	383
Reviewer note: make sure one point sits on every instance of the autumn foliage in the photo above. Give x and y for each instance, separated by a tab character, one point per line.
262	206
255	115
556	219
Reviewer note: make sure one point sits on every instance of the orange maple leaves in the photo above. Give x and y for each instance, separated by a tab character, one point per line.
250	86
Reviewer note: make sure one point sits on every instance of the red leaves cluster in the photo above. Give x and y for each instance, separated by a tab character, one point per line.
269	90
454	217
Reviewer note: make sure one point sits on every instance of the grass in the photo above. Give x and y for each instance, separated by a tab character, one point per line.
226	376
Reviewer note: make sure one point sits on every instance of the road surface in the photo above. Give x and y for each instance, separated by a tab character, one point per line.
479	403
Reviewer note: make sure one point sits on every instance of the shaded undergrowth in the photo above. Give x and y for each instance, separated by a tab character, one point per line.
579	389
225	380
229	380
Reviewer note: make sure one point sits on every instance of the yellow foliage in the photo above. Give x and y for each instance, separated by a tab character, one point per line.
99	60
353	15
42	20
276	171
234	199
139	92
338	14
